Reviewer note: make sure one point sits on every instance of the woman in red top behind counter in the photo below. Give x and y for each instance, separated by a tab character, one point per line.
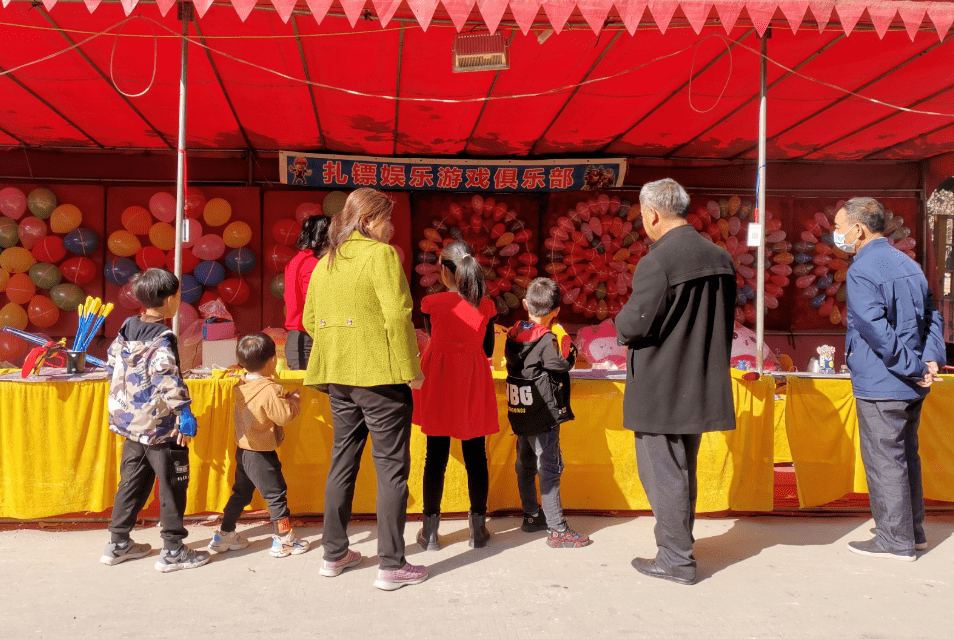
313	244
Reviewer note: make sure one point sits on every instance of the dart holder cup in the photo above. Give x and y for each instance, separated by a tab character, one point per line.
75	362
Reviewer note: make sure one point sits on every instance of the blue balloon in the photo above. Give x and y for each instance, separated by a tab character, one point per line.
120	271
741	299
828	239
191	289
81	241
824	282
818	300
802	258
209	273
240	260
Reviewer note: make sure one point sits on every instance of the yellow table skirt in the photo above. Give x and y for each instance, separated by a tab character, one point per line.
57	456
822	425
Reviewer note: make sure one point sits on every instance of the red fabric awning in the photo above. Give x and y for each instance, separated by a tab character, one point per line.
812	14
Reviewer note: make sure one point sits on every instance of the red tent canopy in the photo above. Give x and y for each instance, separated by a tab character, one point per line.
277	80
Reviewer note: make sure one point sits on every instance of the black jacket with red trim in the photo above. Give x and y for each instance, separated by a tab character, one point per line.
533	358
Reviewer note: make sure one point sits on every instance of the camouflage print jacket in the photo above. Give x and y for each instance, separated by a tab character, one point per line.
146	389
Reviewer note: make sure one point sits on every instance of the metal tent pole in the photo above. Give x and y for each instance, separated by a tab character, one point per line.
185	16
762	218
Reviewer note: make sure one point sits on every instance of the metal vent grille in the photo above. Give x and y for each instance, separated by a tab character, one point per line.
481	52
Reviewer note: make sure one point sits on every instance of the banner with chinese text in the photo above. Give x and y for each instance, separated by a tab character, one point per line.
428	174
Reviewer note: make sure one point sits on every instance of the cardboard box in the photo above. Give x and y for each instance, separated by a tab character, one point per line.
219	353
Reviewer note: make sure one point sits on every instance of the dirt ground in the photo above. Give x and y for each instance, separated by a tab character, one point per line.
758	577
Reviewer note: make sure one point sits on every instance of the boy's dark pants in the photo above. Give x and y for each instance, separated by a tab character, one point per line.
139	468
261	470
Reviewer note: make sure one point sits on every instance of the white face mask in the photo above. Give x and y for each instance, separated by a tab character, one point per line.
839	240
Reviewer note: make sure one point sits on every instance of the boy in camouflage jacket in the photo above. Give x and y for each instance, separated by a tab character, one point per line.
149	405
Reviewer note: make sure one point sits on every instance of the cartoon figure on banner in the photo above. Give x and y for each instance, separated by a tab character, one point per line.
593	250
722	222
501	243
598	177
821	269
300	170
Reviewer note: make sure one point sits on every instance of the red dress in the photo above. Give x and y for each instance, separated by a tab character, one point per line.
457	399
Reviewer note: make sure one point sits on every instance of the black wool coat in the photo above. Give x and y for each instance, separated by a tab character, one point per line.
678	325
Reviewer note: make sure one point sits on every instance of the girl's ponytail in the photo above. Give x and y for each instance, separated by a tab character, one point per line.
459	258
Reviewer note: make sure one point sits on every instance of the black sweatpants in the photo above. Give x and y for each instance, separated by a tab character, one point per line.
139	468
256	470
435	466
384	412
298	350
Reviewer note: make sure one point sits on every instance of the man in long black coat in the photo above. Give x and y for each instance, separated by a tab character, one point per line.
678	326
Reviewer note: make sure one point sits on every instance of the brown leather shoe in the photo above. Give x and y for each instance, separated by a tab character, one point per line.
649	568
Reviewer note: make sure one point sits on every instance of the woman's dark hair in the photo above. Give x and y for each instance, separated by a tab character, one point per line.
254	351
154	286
459	259
314	235
361	208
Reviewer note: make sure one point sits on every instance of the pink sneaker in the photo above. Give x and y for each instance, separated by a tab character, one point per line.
406	576
335	568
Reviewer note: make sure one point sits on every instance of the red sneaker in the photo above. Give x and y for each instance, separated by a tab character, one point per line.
566	537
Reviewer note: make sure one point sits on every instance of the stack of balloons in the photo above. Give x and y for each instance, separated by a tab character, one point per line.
43	262
821	269
593	250
201	253
723	222
500	240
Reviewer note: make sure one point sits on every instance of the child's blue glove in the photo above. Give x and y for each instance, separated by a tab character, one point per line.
187	423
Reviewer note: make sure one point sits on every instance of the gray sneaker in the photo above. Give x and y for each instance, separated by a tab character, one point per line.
871	548
181	559
118	553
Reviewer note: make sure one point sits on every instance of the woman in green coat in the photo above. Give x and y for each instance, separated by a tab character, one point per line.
358	312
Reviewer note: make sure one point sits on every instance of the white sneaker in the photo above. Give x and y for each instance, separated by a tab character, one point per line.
225	541
287	545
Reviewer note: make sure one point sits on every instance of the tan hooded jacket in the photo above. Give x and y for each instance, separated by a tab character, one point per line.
261	413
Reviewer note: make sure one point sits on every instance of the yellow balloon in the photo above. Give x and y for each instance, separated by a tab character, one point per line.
217	212
163	236
14	316
16	259
123	244
237	234
65	218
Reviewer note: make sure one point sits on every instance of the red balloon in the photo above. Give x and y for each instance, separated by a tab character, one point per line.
49	249
286	232
189	261
278	257
151	257
208	296
11	348
42	312
20	288
234	291
127	299
78	270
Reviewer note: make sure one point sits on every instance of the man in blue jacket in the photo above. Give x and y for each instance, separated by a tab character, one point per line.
894	346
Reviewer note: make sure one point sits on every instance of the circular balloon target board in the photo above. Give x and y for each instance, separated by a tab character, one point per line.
221	252
503	230
50	253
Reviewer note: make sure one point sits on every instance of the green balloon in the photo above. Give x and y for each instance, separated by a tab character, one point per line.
67	297
334	202
45	275
41	203
278	286
9	233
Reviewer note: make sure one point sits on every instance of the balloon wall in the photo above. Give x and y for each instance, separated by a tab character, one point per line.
283	214
504	232
50	254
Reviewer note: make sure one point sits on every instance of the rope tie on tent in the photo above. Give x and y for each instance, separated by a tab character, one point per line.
155	57
692	70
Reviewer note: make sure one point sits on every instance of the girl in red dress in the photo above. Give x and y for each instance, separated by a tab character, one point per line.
457	399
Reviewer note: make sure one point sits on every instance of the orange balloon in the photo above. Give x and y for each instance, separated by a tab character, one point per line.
123	244
16	259
65	218
42	312
835	317
4	278
163	236
20	288
237	234
137	220
14	316
217	212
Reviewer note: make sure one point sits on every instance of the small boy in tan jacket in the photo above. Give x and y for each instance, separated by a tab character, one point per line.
261	413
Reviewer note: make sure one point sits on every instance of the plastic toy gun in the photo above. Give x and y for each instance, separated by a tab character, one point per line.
39	341
50	354
563	339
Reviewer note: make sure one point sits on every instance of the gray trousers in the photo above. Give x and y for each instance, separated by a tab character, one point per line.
889	450
667	470
384	412
540	455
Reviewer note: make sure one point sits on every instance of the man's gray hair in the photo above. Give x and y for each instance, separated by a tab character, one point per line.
665	197
866	211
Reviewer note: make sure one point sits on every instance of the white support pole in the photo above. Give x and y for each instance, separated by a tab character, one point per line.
762	218
185	16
